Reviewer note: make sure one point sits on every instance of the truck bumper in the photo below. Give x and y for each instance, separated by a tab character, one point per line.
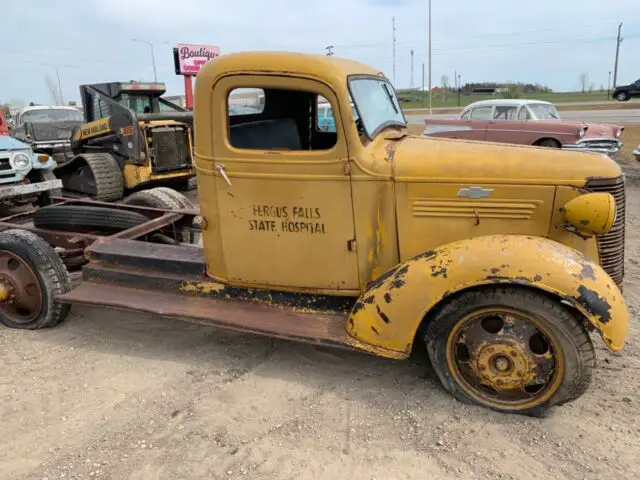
9	191
606	145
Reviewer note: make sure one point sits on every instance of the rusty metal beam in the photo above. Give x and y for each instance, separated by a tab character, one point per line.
148	227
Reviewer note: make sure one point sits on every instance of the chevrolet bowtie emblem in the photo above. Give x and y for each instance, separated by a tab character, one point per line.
475	192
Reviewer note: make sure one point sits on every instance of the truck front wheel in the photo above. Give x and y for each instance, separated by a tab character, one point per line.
32	275
510	349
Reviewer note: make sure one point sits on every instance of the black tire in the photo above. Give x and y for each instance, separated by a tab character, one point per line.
166	199
80	218
50	272
572	341
103	174
622	96
549	142
45	197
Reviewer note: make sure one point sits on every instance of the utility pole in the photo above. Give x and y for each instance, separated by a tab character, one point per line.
430	99
411	81
393	26
609	87
459	89
59	84
153	56
422	96
329	49
615	65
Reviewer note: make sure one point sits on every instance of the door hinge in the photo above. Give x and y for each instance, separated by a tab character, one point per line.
347	168
351	245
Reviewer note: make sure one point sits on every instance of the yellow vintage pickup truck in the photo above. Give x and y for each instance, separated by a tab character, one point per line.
496	260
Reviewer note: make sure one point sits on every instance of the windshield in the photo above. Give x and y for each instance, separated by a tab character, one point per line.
52	115
376	101
542	111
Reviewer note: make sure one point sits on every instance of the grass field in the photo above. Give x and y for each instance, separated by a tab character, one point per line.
421	99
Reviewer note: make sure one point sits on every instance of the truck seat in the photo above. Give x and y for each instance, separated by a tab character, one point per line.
278	133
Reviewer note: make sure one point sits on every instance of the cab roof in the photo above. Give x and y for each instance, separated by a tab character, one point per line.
313	65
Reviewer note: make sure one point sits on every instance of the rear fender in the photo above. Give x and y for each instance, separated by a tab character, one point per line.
390	310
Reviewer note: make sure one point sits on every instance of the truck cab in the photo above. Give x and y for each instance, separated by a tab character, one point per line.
352	203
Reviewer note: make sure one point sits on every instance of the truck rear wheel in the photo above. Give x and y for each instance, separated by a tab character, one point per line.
96	175
166	199
80	218
32	275
510	349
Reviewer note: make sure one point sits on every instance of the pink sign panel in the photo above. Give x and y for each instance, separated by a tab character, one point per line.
191	58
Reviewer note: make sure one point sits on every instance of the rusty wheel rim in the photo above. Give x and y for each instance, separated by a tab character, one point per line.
23	302
505	358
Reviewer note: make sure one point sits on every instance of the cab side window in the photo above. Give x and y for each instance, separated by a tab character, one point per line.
279	119
507	112
523	114
481	113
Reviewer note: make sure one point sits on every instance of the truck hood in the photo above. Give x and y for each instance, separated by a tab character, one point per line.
454	160
10	143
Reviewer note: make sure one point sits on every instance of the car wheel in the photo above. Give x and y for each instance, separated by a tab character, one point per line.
550	143
622	96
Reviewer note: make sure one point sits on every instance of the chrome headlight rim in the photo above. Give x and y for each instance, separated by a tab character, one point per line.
21	161
582	132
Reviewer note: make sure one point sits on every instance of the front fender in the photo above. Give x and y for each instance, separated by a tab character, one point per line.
390	310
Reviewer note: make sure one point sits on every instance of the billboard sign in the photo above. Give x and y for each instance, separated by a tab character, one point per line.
189	59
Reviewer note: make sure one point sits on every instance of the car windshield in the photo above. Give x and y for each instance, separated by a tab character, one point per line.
376	101
52	115
543	111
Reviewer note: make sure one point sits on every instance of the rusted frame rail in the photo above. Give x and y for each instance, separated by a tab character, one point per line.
75	240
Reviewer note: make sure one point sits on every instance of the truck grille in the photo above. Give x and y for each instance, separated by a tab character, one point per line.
611	245
171	149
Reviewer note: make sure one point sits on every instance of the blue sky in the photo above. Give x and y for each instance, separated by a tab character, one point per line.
547	41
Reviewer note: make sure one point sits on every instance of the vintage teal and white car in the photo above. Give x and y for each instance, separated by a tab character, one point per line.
25	176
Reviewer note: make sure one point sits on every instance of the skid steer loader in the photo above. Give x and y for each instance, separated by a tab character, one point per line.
132	139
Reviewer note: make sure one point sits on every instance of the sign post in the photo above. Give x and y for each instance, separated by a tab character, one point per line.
188	60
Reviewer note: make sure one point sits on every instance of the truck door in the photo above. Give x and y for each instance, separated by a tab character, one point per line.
283	188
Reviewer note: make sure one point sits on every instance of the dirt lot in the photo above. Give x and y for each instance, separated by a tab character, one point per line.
124	396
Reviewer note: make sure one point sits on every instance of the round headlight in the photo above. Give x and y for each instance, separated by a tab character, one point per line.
582	131
619	132
21	161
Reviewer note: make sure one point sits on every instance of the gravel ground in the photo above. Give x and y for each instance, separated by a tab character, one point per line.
127	396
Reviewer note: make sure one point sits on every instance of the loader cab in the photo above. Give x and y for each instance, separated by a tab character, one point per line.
141	98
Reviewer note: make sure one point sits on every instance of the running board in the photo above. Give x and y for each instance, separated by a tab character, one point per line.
262	319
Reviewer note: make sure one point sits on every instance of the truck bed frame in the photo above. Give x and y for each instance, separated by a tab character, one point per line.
124	271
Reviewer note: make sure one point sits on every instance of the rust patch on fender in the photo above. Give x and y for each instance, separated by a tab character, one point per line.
594	303
382	315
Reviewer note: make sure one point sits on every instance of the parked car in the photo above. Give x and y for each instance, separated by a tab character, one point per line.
623	93
326	122
526	122
48	128
27	177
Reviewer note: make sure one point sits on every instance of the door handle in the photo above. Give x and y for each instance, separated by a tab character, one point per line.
222	173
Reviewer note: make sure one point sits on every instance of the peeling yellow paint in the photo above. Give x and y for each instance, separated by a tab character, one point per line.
389	312
202	287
